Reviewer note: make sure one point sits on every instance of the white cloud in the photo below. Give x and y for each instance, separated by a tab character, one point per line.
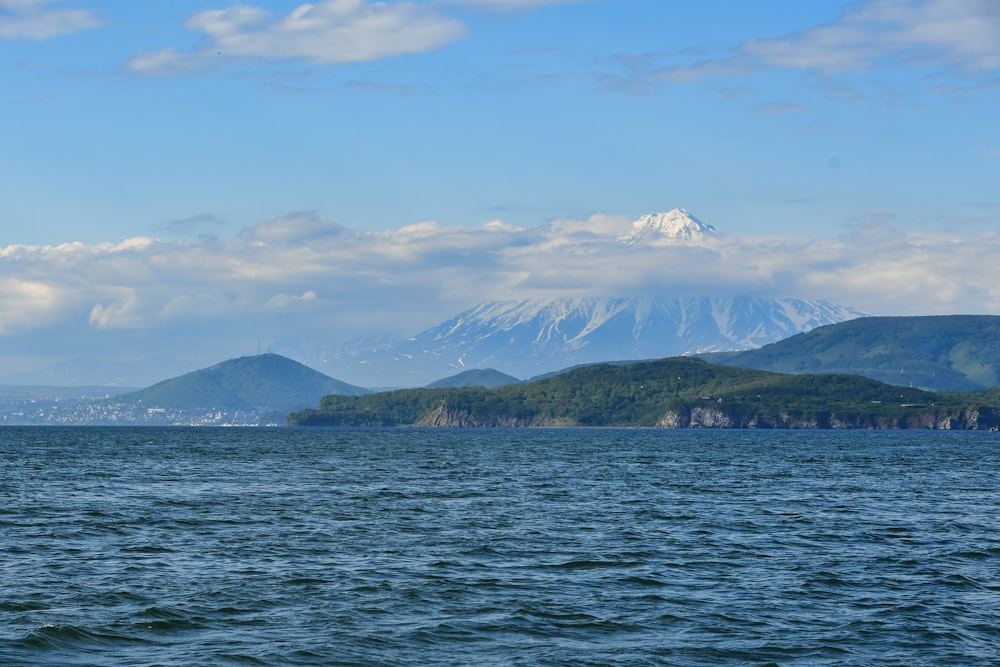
956	34
166	62
960	37
325	32
327	278
27	304
124	313
293	228
330	31
500	226
30	19
282	301
300	276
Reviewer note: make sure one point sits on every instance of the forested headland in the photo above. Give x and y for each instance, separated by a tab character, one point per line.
679	392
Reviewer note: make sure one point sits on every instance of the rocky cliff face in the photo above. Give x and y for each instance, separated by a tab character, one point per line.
701	417
444	417
713	417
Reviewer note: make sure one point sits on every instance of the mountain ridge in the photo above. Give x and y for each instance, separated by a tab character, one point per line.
935	352
962	352
531	337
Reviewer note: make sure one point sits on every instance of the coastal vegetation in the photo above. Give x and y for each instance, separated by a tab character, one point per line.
678	392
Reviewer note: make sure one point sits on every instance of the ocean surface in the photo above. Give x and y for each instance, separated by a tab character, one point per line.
186	546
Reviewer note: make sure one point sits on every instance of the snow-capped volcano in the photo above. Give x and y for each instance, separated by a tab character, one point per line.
673	226
531	337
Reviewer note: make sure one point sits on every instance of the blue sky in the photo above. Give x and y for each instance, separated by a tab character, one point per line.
170	167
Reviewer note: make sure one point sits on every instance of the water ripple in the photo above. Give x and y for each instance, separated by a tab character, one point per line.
549	547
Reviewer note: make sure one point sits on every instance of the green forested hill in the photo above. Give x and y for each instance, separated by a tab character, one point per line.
476	377
676	392
264	381
940	353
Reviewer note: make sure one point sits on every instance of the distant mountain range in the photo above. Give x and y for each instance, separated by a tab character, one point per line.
532	337
941	354
506	342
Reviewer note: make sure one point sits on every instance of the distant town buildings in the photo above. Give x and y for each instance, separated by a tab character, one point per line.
16	411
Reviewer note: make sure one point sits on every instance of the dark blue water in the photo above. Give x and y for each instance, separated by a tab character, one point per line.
498	547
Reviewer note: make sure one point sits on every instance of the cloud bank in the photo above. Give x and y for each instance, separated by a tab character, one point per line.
31	19
301	275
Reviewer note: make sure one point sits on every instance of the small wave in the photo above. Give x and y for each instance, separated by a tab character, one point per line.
644	581
168	619
956	580
593	564
350	548
146	549
54	636
974	554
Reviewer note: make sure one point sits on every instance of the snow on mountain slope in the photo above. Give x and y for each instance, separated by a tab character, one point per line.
666	228
531	337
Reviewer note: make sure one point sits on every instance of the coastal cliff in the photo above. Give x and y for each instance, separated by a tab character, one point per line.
444	417
713	417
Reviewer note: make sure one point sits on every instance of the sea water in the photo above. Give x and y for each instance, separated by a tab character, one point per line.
184	546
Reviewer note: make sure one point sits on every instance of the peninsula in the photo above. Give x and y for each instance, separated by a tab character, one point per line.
678	392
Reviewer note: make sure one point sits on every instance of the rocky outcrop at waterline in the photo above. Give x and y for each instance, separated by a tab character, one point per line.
699	417
715	417
443	417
